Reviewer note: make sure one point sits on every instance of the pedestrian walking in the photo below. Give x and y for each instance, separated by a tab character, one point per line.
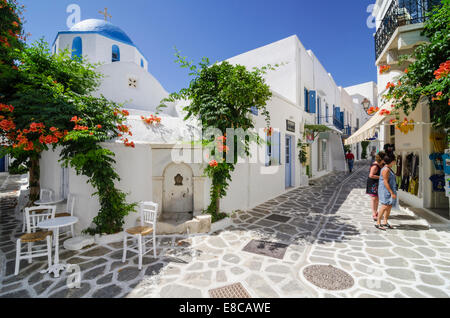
372	183
373	155
387	192
350	160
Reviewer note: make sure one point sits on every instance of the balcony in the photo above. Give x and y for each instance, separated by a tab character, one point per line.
402	13
347	131
337	122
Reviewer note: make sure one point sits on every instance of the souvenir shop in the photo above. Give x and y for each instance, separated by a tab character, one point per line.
421	172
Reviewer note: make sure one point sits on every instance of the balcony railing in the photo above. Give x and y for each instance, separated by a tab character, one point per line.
347	130
401	12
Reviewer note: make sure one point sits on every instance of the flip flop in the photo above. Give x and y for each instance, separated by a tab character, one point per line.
387	225
380	227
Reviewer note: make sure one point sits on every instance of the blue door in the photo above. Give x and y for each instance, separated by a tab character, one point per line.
2	164
288	166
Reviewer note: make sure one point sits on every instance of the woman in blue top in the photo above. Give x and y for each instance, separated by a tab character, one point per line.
387	192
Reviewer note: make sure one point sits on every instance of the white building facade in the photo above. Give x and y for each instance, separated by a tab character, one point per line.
399	25
303	93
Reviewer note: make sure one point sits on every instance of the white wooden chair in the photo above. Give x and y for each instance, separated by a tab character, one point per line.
34	215
148	212
47	195
70	205
44	195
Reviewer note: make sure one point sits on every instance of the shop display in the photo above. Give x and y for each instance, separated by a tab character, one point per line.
408	173
438	161
438	181
446	163
447	185
439	141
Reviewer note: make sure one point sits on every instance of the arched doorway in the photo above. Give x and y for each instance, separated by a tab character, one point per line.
178	194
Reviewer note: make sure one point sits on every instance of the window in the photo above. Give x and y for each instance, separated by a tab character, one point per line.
318	111
254	110
142	63
312	102
273	149
115	53
77	47
306	100
326	112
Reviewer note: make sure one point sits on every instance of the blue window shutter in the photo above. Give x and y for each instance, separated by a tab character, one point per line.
312	102
254	110
318	110
115	53
268	145
326	113
77	47
276	148
142	63
306	100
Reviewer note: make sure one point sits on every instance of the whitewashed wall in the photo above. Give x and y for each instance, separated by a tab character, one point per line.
98	48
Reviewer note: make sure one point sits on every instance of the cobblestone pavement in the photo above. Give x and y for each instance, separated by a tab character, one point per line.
327	223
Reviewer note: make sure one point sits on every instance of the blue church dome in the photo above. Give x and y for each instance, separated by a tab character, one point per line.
102	27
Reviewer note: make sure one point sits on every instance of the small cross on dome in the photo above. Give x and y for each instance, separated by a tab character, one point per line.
105	14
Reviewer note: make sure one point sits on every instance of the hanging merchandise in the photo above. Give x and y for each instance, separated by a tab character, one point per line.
415	166
446	163
447	185
438	182
437	160
414	186
438	140
406	126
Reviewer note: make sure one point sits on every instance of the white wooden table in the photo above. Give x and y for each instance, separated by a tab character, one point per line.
54	225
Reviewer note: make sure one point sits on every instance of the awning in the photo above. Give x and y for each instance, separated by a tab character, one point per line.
368	130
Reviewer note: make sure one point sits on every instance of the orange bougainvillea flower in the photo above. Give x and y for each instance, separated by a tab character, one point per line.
213	163
53	129
125	112
384	68
268	131
75	119
99	126
79	127
223	148
7	125
389	85
7	108
49	139
151	120
443	70
406	71
222	138
385	112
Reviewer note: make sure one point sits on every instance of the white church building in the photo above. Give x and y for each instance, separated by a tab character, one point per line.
303	93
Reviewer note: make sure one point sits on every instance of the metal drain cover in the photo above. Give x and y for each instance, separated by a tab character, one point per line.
270	249
230	291
328	277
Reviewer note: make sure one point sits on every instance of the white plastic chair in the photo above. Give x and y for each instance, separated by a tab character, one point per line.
148	212
70	205
33	216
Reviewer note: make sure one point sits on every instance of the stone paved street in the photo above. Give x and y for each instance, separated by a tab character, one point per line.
327	223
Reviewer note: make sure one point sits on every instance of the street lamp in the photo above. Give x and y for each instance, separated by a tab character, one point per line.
366	105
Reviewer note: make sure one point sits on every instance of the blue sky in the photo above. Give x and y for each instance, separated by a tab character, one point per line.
335	30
